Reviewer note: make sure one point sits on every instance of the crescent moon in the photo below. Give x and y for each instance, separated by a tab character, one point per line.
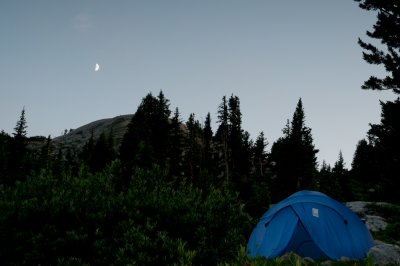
96	67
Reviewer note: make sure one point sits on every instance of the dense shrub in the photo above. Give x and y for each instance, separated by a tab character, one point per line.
87	219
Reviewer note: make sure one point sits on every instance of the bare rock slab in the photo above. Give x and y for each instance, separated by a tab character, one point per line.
384	254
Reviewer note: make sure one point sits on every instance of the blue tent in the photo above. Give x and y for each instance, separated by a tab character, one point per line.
310	224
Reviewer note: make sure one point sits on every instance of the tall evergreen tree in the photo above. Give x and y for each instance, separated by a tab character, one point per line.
364	164
147	140
243	166
18	160
46	155
5	141
386	142
207	137
306	161
193	149
222	136
284	180
294	156
239	153
260	155
387	30
341	177
175	162
20	128
233	142
161	130
258	197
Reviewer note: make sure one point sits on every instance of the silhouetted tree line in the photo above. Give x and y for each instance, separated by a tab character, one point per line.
191	151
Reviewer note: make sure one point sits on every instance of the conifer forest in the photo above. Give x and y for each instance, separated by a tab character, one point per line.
176	191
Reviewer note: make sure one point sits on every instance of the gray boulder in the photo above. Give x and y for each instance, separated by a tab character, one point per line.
374	223
384	254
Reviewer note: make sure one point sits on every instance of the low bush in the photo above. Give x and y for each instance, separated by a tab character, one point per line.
89	219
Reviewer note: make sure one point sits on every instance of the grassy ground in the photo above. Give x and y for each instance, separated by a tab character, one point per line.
291	259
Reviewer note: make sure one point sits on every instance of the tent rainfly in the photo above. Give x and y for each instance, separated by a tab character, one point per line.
310	224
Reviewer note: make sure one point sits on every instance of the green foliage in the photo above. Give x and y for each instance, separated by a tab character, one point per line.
49	219
386	29
190	214
290	259
260	199
85	219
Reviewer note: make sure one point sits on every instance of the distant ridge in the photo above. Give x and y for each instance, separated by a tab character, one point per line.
77	138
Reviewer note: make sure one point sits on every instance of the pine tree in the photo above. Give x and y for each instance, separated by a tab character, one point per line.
340	177
339	166
46	155
243	158
258	197
147	140
387	30
18	160
239	163
364	165
20	128
327	182
222	136
207	137
161	130
5	141
260	155
175	163
294	156
193	149
386	142
302	141
297	126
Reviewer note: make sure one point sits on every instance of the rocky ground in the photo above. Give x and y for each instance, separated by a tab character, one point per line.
382	253
373	221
